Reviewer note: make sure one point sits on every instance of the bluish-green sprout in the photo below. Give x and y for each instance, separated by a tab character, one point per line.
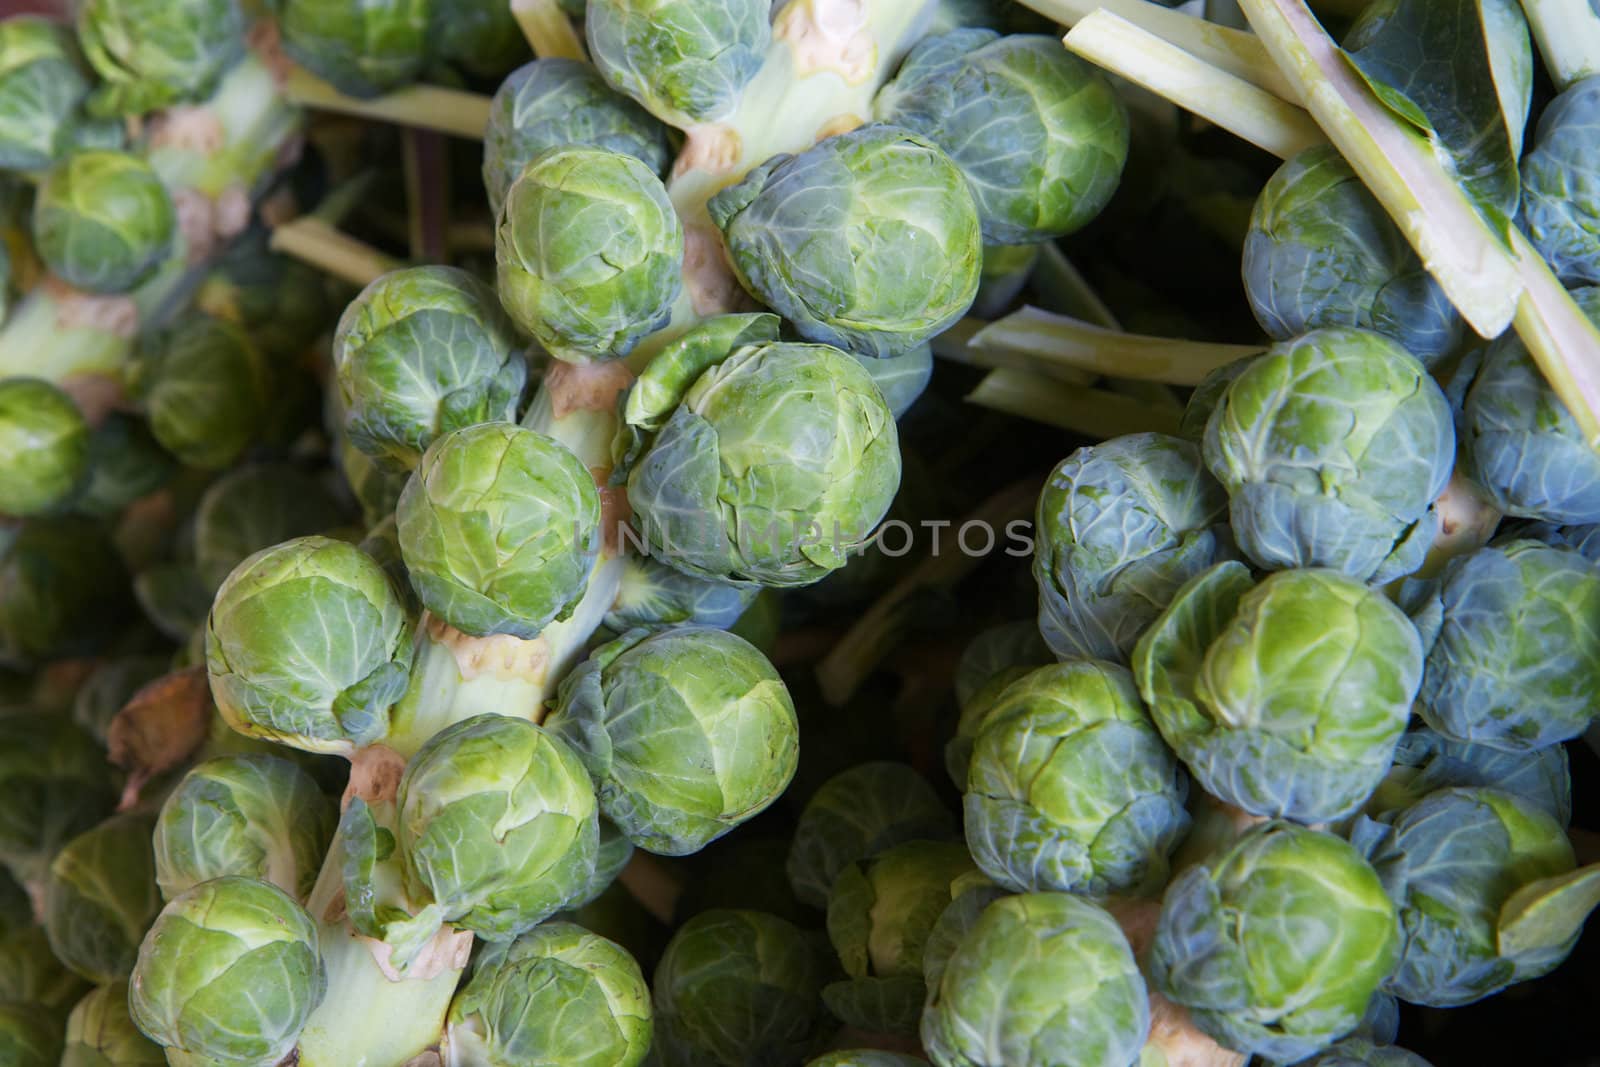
1359	1052
29	1037
101	1033
62	589
1284	698
880	913
1560	210
207	389
363	47
101	897
44	447
1040	133
687	733
558	996
1333	447
1488	892
151	54
903	378
1040	980
419	353
1585	540
224	943
611	855
866	1057
654	596
1277	944
125	462
500	528
308	645
685	60
1071	787
1522	445
1321	252
736	988
589	252
1119	528
996	658
754	460
479	36
1523	686
40	89
54	785
253	815
555	103
1206	397
869	241
102	221
1426	761
255	507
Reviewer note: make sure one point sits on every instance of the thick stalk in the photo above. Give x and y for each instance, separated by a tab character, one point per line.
427	107
1568	32
548	30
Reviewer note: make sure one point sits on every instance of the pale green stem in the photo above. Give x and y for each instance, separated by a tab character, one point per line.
1095	413
1059	286
313	241
1568	32
548	30
1050	341
452	111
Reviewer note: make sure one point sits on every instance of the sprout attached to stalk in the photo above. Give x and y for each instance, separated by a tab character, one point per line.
206	389
103	221
41	87
363	47
153	54
44	447
101	897
101	1033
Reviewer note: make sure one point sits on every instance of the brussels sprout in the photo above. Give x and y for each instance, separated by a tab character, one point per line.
1039	133
1521	443
155	53
1333	447
1285	699
880	913
869	241
281	302
687	733
653	596
102	221
1522	686
612	854
1071	788
500	527
865	1057
422	352
1359	1052
54	784
363	47
1486	889
44	446
685	60
737	988
40	87
1426	761
750	459
1207	396
997	657
29	1037
1559	209
207	390
557	996
555	103
252	815
62	589
125	462
480	36
226	943
101	896
30	971
1120	526
1040	979
1321	252
256	507
308	645
101	1033
856	815
1277	944
902	379
590	252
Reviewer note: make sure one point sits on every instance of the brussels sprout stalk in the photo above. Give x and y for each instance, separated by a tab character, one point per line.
428	107
1568	32
547	29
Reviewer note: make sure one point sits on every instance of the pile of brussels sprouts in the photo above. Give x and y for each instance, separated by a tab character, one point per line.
448	607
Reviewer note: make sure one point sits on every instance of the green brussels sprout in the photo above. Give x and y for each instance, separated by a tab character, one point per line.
555	103
156	53
362	47
1522	445
903	378
558	996
858	814
500	528
1333	447
1040	134
255	507
102	221
589	252
1071	788
1322	252
654	596
226	943
869	241
29	969
880	913
101	897
125	462
1585	540
866	1057
62	589
480	36
28	1036
994	660
754	460
687	733
687	61
40	88
1119	528
1040	979
54	784
1522	686
253	815
174	598
1487	891
44	446
1426	761
1206	398
308	645
1559	210
736	988
101	1033
207	390
1277	944
612	854
1284	698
